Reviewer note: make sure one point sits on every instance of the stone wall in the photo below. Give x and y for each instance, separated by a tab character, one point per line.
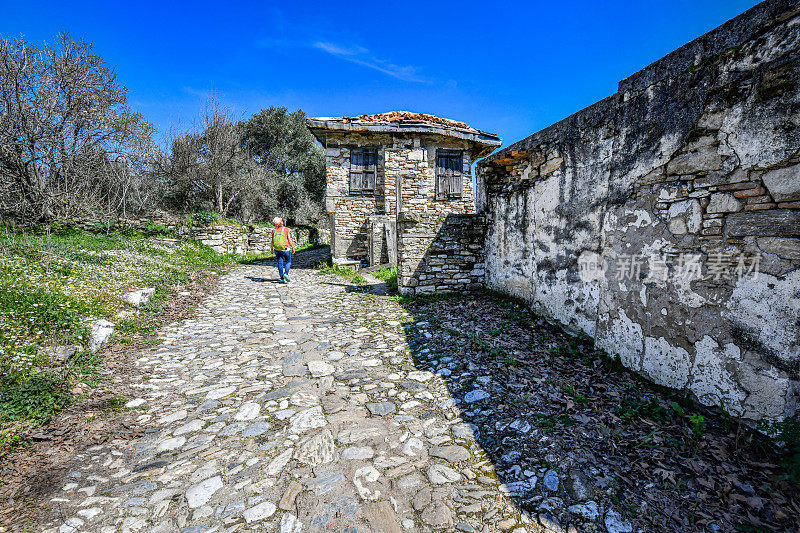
237	239
664	221
222	237
137	224
402	158
439	253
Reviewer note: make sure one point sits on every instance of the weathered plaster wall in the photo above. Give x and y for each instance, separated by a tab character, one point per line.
634	219
409	160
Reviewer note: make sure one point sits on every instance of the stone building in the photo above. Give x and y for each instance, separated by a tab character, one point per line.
397	163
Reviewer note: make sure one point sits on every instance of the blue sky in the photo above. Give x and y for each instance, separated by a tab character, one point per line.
508	68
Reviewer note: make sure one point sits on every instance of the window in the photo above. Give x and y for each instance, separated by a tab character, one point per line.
363	168
449	166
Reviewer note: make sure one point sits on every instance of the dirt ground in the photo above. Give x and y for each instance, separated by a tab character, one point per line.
667	463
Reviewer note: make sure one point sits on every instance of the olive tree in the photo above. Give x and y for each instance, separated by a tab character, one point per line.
252	170
293	165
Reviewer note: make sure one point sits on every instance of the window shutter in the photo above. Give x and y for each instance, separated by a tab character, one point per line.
449	171
370	158
441	181
455	177
363	170
356	170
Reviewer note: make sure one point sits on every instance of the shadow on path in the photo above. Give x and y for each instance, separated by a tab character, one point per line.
577	440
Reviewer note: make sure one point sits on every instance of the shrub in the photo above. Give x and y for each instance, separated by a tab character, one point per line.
204	218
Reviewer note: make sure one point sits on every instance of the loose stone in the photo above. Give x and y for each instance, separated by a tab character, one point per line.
451	454
308	419
319	369
550	481
199	494
171	444
259	512
439	474
589	510
247	411
287	501
476	396
279	462
318	450
616	524
438	515
381	408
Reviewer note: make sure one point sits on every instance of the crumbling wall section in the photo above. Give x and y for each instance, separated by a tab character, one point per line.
664	221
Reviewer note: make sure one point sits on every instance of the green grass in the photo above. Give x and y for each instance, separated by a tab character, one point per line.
347	273
309	246
54	282
35	399
389	275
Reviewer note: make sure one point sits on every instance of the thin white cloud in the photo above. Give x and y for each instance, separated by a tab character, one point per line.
199	93
362	56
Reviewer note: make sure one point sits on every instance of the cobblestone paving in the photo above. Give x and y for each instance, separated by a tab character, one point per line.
288	408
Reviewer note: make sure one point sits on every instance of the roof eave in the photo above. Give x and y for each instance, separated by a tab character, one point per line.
488	141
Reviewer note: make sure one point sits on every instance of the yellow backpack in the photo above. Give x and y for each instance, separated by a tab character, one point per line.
279	240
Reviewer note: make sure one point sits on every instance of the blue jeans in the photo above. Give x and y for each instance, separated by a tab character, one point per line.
284	262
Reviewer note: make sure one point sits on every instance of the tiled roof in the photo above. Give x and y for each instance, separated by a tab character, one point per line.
404	121
409	117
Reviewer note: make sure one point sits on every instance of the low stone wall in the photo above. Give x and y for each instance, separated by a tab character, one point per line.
138	224
232	238
439	253
222	237
664	221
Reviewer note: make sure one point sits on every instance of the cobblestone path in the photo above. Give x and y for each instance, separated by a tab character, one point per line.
288	408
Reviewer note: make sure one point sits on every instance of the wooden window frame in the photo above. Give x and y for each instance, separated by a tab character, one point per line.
363	175
449	177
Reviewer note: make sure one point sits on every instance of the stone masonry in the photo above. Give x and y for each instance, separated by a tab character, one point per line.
664	221
223	237
294	409
440	253
407	145
238	239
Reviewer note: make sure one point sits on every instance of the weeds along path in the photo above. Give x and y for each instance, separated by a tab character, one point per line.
286	407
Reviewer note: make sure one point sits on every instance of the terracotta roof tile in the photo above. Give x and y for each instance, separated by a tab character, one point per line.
407	116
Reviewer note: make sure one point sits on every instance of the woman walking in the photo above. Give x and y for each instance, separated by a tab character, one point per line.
282	245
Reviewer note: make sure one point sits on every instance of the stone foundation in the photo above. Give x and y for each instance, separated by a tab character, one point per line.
440	253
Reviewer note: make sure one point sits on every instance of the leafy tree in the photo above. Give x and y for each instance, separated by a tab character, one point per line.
293	183
252	170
